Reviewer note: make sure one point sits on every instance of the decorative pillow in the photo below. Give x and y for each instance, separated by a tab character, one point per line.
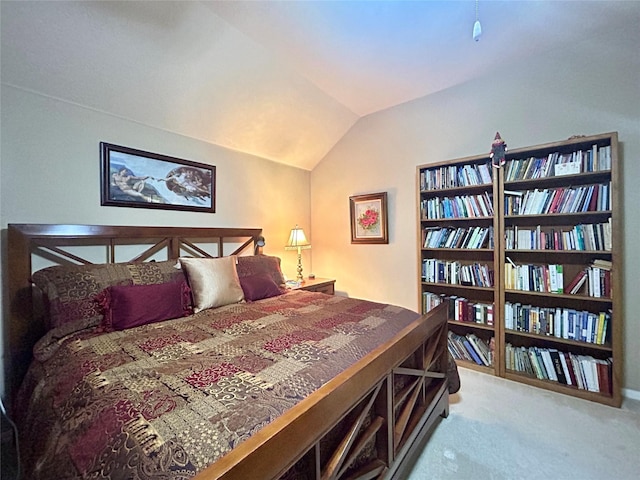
256	264
259	286
214	282
134	305
70	290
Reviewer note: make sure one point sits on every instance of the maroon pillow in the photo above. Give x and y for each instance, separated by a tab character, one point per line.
70	291
134	305
249	265
259	286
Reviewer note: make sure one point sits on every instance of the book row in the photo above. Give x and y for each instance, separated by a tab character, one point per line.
557	164
534	278
462	310
585	198
582	371
580	237
566	323
440	271
431	300
470	348
463	206
449	237
593	281
453	176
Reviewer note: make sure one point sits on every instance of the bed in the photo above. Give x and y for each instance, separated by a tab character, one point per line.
138	370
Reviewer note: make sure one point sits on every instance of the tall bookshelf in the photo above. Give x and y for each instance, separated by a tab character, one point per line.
557	316
458	261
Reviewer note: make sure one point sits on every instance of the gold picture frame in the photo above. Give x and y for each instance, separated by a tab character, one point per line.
369	218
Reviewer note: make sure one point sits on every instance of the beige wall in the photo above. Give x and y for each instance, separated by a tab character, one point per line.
49	170
50	174
530	104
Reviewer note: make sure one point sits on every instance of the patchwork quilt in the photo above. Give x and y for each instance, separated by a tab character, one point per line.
166	400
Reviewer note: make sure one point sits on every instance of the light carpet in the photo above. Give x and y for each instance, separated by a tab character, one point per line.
499	429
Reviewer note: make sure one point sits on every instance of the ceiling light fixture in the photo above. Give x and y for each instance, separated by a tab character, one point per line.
477	29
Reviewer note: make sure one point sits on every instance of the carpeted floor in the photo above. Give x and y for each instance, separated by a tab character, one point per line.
499	429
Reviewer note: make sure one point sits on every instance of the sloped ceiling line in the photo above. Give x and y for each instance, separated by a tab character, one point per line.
280	80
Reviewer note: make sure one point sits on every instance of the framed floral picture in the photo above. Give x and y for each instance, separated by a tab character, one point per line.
369	218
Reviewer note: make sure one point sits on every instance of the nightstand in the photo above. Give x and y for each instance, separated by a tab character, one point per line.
322	285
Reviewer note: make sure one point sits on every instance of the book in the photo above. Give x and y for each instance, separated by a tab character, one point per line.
478	313
603	368
534	363
557	365
548	364
579	374
559	278
457	347
569	168
481	348
570	368
553	279
603	264
603	325
577	282
595	289
490	314
588	365
472	352
528	365
565	368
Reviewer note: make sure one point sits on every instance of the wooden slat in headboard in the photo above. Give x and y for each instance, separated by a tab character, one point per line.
22	327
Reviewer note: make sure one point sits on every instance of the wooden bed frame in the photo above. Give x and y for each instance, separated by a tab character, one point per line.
391	398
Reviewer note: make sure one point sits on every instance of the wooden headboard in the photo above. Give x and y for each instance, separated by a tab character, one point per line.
23	325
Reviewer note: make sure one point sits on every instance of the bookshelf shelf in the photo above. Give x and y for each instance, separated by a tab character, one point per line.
579	298
471	325
559	181
457	222
555	340
457	286
565	216
475	366
462	190
459	250
559	388
551	251
552	219
555	218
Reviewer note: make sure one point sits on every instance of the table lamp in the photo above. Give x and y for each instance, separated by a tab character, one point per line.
298	241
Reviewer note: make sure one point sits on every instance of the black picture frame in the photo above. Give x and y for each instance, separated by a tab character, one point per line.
140	179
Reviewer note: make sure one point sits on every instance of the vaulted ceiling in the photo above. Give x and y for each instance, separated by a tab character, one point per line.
283	80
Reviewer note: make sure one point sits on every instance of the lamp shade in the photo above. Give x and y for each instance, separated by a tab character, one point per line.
297	239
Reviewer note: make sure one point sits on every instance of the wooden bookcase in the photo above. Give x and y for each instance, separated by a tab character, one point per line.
556	213
457	225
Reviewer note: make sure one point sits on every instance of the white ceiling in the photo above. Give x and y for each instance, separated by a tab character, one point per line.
283	80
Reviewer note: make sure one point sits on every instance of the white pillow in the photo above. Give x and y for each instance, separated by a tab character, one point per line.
214	281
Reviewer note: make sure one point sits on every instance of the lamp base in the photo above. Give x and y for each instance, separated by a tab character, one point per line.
300	278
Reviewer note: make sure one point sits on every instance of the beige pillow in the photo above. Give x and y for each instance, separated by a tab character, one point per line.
214	281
